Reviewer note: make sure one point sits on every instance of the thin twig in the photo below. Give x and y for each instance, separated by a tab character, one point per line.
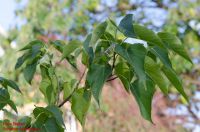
68	98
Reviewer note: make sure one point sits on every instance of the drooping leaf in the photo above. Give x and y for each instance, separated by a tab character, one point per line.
21	60
134	55
144	97
29	72
70	47
173	78
126	26
154	72
58	44
125	74
174	44
13	85
97	33
96	77
12	105
147	35
162	54
80	104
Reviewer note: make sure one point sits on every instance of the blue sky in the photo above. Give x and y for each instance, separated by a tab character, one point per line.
7	15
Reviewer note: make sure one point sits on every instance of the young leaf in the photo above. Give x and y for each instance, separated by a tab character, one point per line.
96	77
154	72
174	44
80	104
134	55
29	72
98	32
147	35
70	47
173	78
126	26
144	97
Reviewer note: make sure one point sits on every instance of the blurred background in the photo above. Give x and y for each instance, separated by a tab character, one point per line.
24	20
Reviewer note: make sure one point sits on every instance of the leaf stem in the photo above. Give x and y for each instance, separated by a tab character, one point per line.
78	83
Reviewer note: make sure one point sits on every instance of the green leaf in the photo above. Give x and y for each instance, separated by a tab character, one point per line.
52	126
147	35
21	60
32	43
125	74
13	85
12	105
154	72
56	113
173	78
144	97
67	89
4	95
174	44
162	55
126	26
70	47
58	44
134	55
80	104
26	122
96	77
98	32
29	72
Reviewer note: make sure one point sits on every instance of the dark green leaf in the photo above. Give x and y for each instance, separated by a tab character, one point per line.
80	104
12	105
13	85
154	72
57	114
147	35
58	44
52	126
26	122
134	55
32	43
174	44
29	72
173	78
126	26
144	97
96	77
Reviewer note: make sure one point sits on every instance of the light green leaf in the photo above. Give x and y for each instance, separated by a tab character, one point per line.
126	26
173	78
144	97
147	35
174	44
96	77
134	55
154	72
98	32
70	47
80	104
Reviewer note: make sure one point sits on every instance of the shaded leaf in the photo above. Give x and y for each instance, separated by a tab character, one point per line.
29	72
96	77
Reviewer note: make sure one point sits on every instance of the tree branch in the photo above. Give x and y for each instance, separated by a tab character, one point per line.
111	79
78	83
